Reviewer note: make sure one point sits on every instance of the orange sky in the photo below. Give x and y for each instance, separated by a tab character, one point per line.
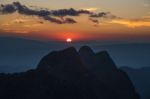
86	28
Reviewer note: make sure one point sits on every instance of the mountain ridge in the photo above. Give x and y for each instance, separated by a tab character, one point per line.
65	74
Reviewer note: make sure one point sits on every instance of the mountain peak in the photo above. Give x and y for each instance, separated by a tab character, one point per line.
66	57
105	59
69	50
104	53
85	49
70	56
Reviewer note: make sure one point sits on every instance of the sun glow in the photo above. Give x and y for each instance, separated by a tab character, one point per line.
68	40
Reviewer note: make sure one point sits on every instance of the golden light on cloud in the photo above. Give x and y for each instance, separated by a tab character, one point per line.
132	23
91	9
19	20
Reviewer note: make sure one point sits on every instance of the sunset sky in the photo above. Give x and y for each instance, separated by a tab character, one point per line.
79	19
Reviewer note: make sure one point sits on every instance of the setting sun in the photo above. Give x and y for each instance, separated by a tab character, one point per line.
68	40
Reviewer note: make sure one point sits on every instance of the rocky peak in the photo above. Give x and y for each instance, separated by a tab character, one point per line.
84	50
67	56
105	60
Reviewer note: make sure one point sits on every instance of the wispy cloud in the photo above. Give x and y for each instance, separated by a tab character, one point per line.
60	20
133	23
19	20
15	21
94	20
23	22
15	31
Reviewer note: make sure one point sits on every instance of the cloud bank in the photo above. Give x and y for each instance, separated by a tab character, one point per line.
60	16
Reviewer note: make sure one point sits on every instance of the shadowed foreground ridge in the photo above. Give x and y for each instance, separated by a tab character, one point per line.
69	74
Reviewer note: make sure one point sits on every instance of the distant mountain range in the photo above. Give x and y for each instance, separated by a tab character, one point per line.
18	54
70	74
141	80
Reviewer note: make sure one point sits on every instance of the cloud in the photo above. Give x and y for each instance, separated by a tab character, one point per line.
69	20
7	9
134	22
22	9
94	20
94	17
32	25
65	12
60	21
53	20
19	20
16	6
15	31
54	16
91	9
107	15
24	23
101	14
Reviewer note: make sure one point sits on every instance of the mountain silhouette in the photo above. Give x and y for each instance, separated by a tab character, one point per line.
105	69
70	74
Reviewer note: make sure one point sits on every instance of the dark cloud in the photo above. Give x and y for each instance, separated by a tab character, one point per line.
94	21
7	9
53	20
44	13
60	21
50	15
85	12
69	20
69	12
104	15
22	9
101	14
65	12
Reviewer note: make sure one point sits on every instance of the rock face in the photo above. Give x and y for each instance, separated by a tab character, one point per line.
105	69
69	74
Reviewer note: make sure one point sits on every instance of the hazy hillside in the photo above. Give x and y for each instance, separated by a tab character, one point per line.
18	54
129	54
141	80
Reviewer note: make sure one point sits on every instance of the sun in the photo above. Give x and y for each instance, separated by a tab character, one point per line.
68	40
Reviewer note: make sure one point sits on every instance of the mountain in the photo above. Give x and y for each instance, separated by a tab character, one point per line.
105	69
66	74
140	79
19	54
